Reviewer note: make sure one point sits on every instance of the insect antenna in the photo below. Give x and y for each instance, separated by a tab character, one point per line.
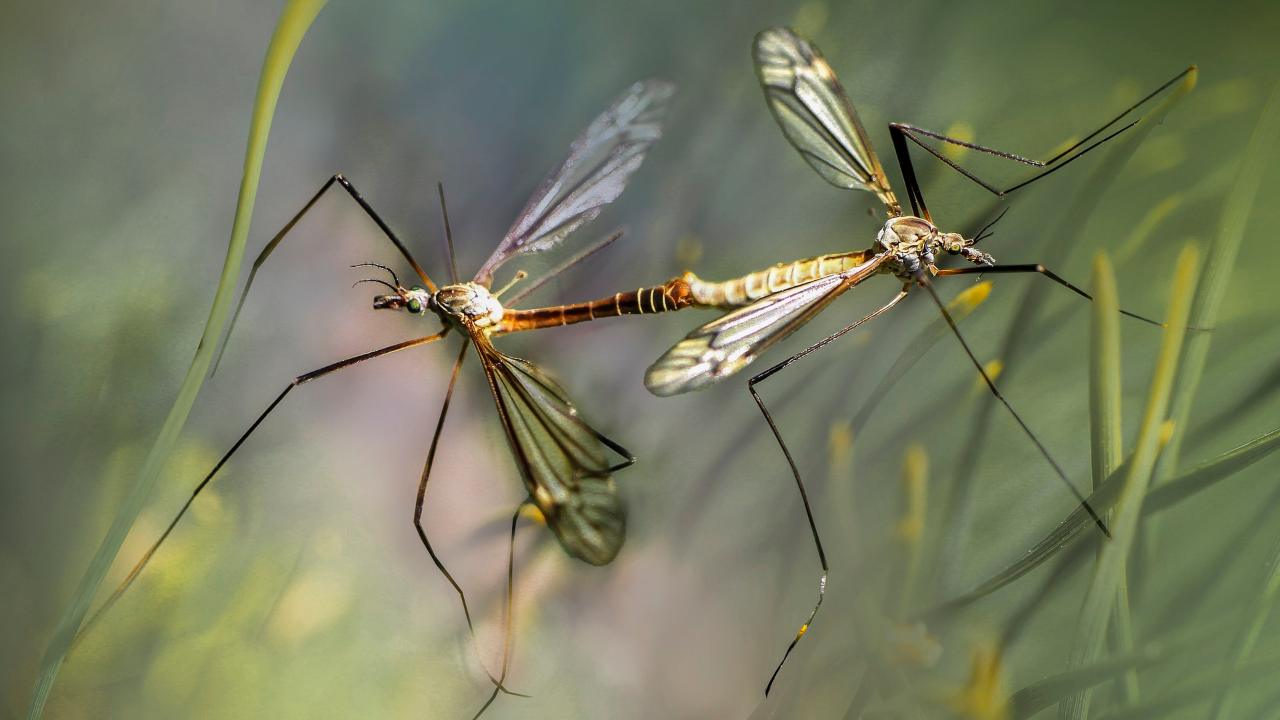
376	280
448	235
380	265
923	280
984	232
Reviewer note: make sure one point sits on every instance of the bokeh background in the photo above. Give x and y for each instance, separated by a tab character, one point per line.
297	588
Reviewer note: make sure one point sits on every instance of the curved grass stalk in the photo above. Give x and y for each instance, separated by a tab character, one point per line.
1219	265
1258	158
1105	428
1198	688
1203	476
1106	432
294	22
1100	598
1031	699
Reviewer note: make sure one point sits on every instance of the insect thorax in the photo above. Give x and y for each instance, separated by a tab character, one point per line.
915	242
908	235
468	301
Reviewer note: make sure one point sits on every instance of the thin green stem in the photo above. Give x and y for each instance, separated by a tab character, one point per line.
294	22
1099	600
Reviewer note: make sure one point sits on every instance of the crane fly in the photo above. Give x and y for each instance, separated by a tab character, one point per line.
563	461
810	106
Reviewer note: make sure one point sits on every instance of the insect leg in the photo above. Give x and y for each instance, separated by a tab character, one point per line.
795	470
340	180
924	281
509	614
1037	268
420	502
902	132
299	380
448	236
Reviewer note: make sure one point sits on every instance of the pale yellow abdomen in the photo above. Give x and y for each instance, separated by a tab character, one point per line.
751	287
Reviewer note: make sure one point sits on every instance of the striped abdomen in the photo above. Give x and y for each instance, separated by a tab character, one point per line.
672	295
749	288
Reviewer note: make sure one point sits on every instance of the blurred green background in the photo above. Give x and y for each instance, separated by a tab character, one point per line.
297	587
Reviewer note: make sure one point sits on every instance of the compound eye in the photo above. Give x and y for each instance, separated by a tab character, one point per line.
414	305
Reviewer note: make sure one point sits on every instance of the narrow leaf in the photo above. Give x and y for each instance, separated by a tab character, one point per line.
1187	485
294	22
1100	597
1104	374
1197	689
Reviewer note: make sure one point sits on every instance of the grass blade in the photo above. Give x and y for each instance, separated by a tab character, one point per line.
294	22
1105	427
1219	264
1190	483
1209	473
1041	694
1221	260
1198	689
1100	597
1105	431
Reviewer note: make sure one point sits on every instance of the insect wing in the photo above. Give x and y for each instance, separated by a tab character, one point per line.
600	162
814	113
724	346
561	459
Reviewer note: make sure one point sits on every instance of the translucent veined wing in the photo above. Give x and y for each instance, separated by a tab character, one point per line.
599	164
814	113
561	459
724	346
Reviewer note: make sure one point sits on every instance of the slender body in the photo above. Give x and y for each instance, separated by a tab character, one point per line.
815	115
675	294
563	462
687	290
777	301
748	288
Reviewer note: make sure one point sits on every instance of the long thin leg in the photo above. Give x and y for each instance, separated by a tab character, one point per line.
1038	268
902	132
421	499
923	280
508	617
299	380
448	236
795	470
345	184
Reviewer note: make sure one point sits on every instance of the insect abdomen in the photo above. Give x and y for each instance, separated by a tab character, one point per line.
751	287
671	295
